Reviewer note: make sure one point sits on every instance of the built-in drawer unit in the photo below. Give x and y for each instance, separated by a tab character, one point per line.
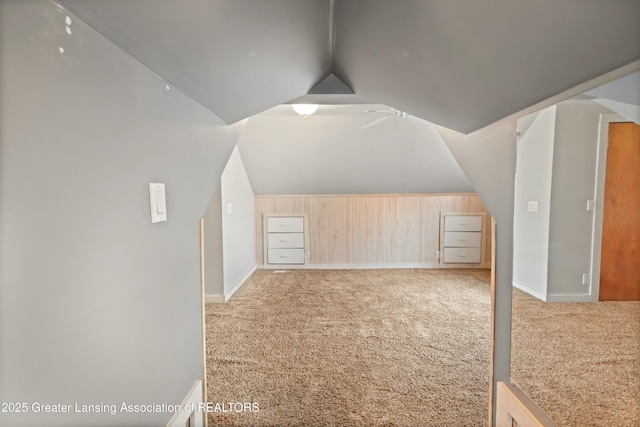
461	235
285	239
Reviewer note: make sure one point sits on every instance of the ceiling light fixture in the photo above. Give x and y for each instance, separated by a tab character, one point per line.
305	109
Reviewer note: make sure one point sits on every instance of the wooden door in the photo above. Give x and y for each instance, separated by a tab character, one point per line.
620	260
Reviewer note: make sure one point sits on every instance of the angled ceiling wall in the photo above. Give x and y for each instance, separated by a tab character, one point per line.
235	57
462	65
329	153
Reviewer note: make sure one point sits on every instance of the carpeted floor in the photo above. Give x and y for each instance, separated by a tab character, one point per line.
352	347
580	362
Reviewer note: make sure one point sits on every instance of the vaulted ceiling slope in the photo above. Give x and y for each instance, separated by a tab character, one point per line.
235	57
460	64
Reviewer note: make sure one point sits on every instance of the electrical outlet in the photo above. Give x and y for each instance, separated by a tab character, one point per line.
591	205
586	279
437	254
307	254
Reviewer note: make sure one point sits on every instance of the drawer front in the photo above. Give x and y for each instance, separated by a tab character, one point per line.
462	223
463	239
285	224
285	256
285	240
461	255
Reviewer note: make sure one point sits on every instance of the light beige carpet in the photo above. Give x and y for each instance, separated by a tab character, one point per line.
352	347
580	362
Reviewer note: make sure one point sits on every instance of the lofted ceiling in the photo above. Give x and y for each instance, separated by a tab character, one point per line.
461	64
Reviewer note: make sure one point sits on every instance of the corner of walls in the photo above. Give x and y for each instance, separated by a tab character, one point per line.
573	183
238	224
230	238
534	165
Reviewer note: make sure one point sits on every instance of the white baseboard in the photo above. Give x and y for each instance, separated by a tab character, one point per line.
553	297
367	266
570	298
228	295
240	283
524	288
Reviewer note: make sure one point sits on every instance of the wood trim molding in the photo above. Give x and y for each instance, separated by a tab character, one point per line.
203	315
512	405
492	327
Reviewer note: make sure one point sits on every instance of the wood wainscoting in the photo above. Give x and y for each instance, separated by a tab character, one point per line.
372	230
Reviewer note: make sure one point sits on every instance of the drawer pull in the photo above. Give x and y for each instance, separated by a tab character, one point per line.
462	223
462	255
283	225
284	241
285	256
462	240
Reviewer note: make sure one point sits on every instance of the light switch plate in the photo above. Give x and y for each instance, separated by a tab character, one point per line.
158	201
532	206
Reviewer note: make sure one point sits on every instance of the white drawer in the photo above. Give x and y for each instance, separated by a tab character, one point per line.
463	239
461	256
285	240
285	256
285	224
462	223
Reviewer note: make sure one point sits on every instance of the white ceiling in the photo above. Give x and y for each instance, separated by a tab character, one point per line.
460	64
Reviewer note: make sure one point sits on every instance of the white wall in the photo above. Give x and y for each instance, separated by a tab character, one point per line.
556	165
534	164
96	303
230	238
574	180
329	153
238	227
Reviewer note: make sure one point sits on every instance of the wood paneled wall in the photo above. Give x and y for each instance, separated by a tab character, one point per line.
376	229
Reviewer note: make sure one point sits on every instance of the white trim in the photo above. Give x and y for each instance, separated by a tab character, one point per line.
553	297
524	288
601	173
194	400
226	297
569	298
434	266
237	286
